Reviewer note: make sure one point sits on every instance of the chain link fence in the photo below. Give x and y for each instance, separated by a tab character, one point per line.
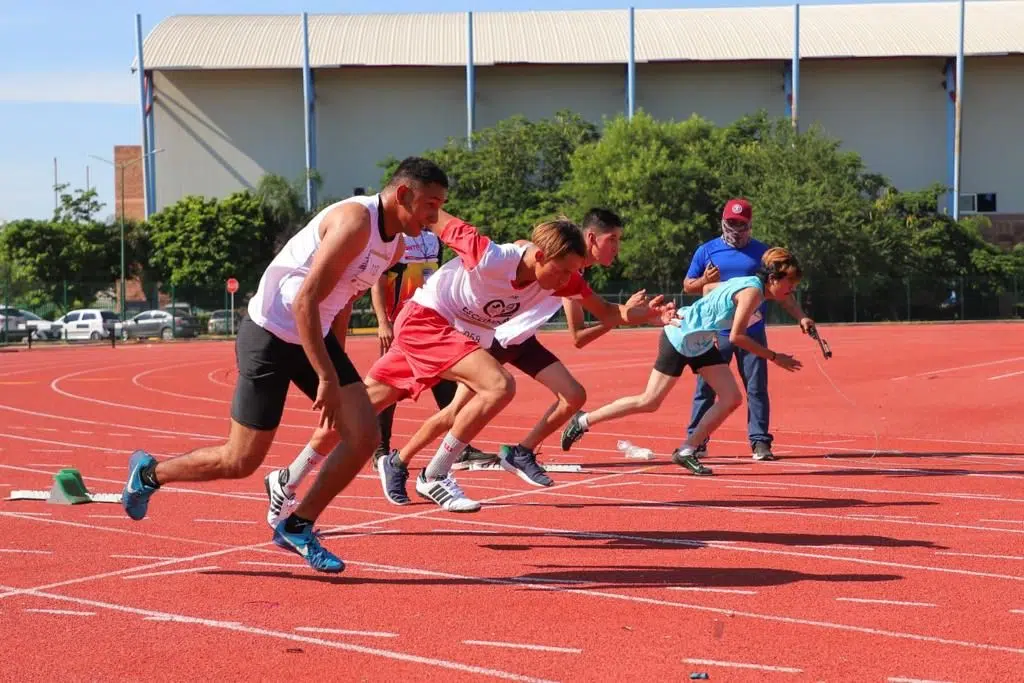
91	310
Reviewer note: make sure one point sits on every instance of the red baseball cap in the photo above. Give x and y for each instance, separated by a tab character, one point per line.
738	209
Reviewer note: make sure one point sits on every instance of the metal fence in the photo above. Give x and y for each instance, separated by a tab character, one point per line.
69	312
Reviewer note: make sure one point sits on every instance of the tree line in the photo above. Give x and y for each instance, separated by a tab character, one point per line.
870	251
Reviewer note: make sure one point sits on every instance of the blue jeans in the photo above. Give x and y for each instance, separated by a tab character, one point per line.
754	374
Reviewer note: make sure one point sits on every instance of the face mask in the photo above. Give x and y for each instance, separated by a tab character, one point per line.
736	238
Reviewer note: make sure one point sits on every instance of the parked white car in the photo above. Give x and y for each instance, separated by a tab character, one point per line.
87	323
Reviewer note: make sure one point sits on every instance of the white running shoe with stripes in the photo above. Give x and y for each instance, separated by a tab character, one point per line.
445	492
281	504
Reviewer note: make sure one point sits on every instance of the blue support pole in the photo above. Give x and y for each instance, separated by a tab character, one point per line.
787	86
151	131
470	82
146	146
309	103
950	134
958	132
795	76
631	67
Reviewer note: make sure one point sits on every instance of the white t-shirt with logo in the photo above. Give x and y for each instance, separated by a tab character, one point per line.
474	291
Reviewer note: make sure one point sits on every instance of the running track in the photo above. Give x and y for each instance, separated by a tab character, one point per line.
887	544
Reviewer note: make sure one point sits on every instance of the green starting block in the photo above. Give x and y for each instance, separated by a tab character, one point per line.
68	489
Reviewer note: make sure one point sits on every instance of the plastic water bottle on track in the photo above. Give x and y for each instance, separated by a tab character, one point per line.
634	452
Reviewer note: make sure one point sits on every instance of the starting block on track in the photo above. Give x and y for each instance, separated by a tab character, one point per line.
68	489
546	468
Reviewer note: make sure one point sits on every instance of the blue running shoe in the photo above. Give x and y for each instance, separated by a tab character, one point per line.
306	543
522	462
393	476
135	496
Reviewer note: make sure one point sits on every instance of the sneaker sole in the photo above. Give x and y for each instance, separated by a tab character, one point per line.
512	469
384	487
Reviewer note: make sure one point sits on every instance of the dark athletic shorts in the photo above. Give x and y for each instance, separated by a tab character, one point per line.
530	357
267	365
670	362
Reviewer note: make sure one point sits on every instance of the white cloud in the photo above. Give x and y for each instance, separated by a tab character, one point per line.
104	87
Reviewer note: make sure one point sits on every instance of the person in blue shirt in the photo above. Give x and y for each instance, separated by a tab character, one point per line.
737	254
694	341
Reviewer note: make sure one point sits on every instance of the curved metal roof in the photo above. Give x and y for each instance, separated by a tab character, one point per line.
584	37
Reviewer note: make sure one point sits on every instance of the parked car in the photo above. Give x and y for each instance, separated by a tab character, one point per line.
40	328
156	323
12	325
220	322
86	323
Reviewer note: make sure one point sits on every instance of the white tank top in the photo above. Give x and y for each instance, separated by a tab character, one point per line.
271	307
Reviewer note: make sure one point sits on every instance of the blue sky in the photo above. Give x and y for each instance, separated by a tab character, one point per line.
66	89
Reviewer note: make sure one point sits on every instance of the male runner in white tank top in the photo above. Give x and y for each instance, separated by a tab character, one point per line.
291	335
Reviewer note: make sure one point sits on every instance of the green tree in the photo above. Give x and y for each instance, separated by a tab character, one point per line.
512	177
198	243
78	206
659	177
47	257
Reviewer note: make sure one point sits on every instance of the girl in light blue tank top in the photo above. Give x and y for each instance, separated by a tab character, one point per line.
730	306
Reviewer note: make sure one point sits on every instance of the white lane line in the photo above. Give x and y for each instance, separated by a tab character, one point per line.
1009	374
1004	521
701	589
743	665
888	602
1017	611
523	646
284	635
346	632
225	521
142	557
67	612
991	557
27	552
968	367
189	570
900	679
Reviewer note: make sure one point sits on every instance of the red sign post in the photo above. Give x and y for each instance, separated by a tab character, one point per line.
232	288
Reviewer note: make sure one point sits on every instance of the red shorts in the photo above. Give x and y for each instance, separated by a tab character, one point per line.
425	346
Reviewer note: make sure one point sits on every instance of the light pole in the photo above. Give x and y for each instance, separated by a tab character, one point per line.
120	168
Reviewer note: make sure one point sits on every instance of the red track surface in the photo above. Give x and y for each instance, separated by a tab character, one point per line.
629	569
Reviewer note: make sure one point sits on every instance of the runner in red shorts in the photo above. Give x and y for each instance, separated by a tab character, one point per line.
515	342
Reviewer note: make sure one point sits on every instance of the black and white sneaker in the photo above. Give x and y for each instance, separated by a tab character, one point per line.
573	431
522	462
445	492
684	458
282	504
473	456
763	451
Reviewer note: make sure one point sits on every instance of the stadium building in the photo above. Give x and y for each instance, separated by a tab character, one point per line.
230	98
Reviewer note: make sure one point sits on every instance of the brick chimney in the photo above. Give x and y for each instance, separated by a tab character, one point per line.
134	196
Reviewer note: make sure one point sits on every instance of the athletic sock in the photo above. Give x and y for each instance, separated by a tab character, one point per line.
584	422
296	525
148	476
447	453
306	461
